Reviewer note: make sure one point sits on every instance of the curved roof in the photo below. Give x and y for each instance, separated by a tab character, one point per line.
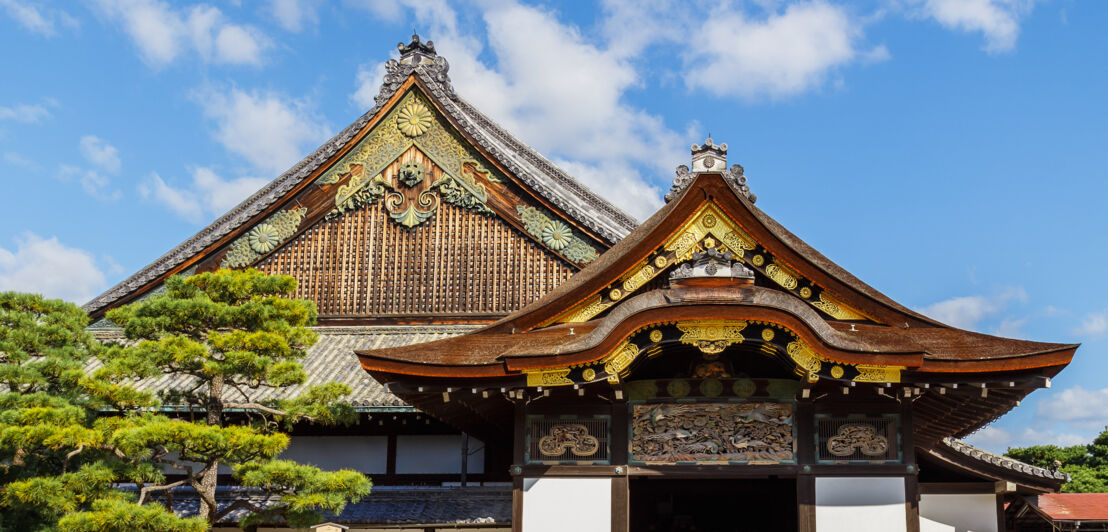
881	332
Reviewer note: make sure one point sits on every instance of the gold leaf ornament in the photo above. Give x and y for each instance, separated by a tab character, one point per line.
413	120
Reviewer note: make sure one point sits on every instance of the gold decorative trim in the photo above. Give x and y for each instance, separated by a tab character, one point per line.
836	309
656	336
870	373
621	358
640	276
548	377
804	357
712	336
782	275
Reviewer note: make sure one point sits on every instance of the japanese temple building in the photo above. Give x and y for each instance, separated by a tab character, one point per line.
537	360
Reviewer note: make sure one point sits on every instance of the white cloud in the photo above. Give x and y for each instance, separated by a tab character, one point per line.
38	20
1094	324
92	182
163	33
997	20
268	130
967	311
782	55
20	161
50	268
293	15
97	151
998	440
1076	405
24	113
368	80
209	195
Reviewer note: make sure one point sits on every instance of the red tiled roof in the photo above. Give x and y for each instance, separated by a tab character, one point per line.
1073	506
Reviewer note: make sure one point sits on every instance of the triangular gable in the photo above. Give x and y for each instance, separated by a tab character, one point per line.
711	211
481	169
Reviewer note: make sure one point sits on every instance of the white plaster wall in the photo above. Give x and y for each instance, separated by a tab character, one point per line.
567	504
860	504
973	512
365	454
437	454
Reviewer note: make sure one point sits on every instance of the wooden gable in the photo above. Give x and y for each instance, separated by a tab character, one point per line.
423	210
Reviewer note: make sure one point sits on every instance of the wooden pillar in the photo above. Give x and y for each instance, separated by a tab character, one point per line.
621	503
806	503
519	442
908	452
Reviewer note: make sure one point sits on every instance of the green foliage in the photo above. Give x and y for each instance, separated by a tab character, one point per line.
1087	465
55	455
304	490
120	516
234	333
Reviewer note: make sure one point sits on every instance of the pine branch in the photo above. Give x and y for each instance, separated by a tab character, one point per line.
147	489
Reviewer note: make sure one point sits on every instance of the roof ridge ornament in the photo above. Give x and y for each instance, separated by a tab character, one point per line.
710	158
416	56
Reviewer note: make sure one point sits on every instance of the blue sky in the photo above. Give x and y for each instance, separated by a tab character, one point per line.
952	153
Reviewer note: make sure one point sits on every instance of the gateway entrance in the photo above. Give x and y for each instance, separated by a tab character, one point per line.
713	505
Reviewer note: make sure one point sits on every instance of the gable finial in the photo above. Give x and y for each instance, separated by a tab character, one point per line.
416	56
710	158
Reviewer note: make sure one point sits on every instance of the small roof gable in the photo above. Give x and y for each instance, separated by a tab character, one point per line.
556	193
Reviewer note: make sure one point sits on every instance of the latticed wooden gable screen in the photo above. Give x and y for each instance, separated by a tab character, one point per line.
458	263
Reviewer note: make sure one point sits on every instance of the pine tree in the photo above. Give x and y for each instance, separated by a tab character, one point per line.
55	455
232	334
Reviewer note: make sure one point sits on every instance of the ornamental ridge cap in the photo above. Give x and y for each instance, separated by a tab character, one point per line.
710	157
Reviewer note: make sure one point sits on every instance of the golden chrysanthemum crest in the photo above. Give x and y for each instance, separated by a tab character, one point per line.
414	119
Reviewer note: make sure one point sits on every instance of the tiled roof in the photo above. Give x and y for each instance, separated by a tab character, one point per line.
385	505
331	359
1003	461
1072	506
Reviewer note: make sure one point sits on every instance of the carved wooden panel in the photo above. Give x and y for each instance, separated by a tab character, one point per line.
742	432
457	263
567	440
857	438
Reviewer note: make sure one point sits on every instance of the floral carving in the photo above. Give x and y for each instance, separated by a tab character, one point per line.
413	119
556	235
263	238
861	437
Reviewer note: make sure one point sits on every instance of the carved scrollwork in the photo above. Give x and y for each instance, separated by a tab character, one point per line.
864	438
570	437
712	432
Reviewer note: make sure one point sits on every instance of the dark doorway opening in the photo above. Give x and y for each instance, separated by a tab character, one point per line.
713	505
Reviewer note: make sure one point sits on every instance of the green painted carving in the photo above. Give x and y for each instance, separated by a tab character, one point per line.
411	173
556	235
263	238
411	216
413	122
